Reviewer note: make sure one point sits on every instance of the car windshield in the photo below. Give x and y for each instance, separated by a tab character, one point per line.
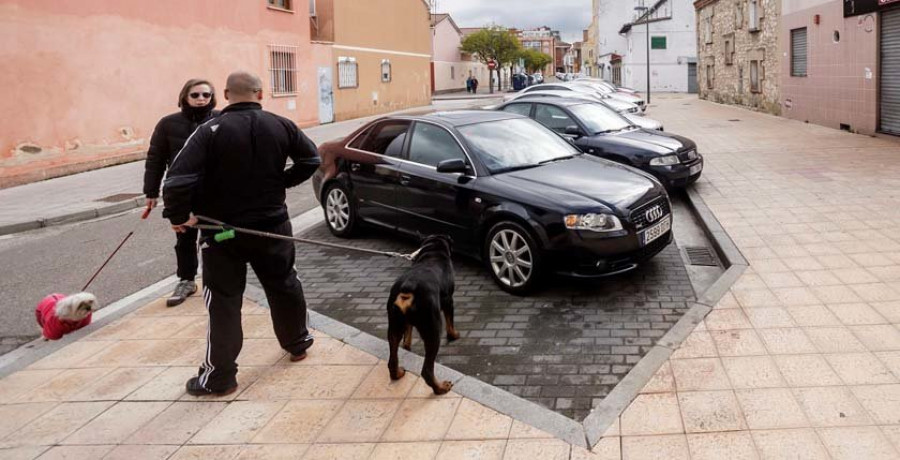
508	145
599	119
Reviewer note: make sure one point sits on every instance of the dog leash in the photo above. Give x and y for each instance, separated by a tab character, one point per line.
227	232
144	216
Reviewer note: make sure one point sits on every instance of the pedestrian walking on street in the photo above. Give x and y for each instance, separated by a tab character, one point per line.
245	186
474	85
469	84
197	101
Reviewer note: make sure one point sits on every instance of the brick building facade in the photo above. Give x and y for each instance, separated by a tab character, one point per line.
737	48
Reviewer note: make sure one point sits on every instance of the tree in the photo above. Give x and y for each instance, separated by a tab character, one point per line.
493	43
535	60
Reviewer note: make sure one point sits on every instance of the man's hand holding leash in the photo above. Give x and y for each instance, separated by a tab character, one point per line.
181	228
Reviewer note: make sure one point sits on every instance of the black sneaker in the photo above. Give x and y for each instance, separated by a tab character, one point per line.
301	355
194	388
183	290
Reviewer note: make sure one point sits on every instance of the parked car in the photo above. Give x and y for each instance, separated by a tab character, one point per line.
627	110
538	78
610	85
599	131
508	190
612	92
637	104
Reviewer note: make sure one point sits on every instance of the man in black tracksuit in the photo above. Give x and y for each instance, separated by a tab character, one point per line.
232	169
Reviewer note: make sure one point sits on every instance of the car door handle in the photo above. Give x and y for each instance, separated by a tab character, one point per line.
354	167
404	179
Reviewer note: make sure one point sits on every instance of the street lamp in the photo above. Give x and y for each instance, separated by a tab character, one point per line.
647	21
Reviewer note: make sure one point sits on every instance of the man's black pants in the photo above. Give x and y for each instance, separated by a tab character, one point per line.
186	254
224	279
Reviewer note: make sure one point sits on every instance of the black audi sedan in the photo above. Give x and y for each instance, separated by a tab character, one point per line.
509	191
599	131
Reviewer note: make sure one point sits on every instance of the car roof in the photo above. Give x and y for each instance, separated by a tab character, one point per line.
456	118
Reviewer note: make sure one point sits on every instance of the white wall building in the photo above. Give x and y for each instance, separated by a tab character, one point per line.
673	41
610	16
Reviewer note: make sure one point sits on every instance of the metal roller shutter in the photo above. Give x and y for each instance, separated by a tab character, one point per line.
798	52
890	71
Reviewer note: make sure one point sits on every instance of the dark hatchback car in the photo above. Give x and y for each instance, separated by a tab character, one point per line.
509	191
600	131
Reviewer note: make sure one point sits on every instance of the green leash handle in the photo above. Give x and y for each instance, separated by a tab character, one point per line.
224	235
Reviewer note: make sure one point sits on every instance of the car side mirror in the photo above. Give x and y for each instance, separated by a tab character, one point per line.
455	165
573	131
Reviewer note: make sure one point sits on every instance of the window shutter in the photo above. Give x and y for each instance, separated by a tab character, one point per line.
798	52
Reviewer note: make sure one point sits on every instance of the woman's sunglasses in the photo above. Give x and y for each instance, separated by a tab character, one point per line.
197	95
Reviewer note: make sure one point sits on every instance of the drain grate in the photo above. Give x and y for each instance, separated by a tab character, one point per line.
120	197
699	255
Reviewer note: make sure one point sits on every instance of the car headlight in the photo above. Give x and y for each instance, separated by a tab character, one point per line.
593	222
665	160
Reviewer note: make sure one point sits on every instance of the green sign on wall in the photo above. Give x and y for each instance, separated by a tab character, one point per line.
658	43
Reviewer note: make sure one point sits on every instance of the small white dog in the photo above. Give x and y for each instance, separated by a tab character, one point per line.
58	315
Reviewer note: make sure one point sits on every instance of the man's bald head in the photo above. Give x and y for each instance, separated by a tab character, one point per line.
243	86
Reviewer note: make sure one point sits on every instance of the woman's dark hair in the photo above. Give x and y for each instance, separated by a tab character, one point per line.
182	97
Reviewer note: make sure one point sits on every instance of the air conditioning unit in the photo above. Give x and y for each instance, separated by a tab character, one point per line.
312	8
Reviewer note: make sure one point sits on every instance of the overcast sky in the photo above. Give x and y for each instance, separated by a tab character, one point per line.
569	17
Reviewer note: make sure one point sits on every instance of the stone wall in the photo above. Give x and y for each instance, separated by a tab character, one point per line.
729	81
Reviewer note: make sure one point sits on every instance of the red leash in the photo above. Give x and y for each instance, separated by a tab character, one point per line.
143	217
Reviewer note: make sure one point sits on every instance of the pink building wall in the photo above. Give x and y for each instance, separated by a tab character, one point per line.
446	43
842	82
88	80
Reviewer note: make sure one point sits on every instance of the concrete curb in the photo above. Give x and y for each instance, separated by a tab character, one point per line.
69	218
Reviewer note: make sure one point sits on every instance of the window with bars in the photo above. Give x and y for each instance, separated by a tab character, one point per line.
798	52
283	4
348	73
386	71
283	70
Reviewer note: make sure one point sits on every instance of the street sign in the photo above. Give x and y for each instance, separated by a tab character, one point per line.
492	65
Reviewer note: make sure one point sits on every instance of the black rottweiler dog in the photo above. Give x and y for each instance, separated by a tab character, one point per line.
417	299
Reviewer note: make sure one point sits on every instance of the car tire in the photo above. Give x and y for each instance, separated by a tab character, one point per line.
340	212
513	258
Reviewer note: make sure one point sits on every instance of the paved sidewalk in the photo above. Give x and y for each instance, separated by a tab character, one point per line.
119	394
77	197
801	359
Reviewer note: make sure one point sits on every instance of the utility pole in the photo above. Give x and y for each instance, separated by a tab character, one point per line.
646	21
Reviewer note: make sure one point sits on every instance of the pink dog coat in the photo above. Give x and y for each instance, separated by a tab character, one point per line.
53	327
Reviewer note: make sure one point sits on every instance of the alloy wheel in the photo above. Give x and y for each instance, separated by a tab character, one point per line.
511	258
337	209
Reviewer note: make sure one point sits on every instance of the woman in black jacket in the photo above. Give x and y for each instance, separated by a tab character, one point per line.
197	101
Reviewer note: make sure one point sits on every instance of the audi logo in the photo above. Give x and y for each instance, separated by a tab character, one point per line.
653	214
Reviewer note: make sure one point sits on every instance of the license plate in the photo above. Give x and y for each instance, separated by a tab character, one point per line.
656	231
695	169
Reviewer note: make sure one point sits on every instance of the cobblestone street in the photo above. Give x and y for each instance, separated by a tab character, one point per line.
564	347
